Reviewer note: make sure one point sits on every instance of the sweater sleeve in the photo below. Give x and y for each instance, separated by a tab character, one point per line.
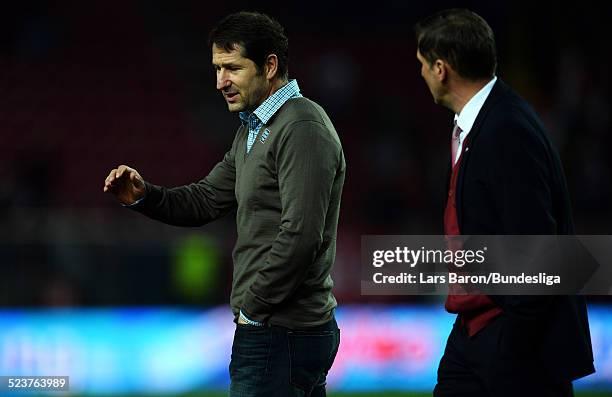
308	158
197	203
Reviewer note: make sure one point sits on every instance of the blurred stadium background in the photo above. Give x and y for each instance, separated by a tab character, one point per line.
127	306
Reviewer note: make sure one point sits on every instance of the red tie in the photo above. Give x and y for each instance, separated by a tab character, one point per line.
455	143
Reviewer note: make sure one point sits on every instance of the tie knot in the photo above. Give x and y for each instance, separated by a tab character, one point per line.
456	131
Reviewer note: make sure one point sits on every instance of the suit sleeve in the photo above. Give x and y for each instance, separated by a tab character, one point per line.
197	203
522	179
307	159
522	175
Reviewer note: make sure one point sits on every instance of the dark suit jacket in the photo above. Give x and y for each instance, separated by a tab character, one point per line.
511	181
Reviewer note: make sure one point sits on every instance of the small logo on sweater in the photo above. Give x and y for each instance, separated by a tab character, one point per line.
264	135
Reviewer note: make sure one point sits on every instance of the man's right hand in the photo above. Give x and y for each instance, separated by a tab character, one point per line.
126	184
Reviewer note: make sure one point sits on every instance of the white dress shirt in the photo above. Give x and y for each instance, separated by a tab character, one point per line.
466	117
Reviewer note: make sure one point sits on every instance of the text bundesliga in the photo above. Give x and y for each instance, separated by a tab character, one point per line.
455	278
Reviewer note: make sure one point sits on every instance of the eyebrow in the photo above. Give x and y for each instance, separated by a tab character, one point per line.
226	65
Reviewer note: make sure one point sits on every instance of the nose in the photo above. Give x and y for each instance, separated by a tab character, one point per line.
222	79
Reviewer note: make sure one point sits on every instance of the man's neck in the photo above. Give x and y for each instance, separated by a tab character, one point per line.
463	92
275	86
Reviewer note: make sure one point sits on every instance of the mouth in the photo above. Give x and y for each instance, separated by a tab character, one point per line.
231	97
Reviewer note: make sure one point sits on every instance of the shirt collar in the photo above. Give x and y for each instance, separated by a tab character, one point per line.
466	118
270	106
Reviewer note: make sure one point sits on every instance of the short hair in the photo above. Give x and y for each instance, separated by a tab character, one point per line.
460	37
258	34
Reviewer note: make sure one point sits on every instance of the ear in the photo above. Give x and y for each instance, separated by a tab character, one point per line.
271	67
440	70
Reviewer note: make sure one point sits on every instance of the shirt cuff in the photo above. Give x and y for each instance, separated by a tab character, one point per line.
135	203
249	321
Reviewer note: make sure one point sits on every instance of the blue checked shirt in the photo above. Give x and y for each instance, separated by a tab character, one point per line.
266	110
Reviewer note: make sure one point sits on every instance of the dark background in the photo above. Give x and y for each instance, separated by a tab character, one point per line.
85	86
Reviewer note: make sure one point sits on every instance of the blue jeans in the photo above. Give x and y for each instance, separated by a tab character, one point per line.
279	362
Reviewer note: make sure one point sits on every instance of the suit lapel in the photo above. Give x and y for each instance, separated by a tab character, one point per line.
499	91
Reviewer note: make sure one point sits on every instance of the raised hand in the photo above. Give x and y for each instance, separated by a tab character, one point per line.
125	183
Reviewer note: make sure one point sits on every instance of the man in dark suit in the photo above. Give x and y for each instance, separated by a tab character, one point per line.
506	178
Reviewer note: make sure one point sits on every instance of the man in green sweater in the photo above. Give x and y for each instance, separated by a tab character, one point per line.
283	175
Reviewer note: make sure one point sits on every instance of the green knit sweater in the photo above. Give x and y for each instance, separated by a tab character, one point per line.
287	194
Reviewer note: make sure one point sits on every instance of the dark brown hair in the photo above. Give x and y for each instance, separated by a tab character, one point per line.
259	36
460	37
